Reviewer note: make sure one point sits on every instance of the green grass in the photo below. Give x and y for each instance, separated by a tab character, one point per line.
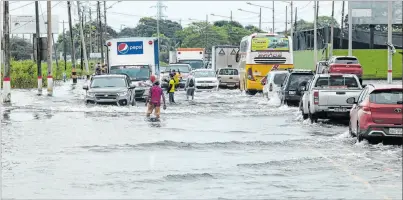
374	61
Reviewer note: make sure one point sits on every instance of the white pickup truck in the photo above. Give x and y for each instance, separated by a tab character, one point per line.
326	94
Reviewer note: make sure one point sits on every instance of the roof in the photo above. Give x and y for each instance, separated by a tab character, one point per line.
110	75
301	71
279	72
344	57
198	70
385	86
177	64
336	74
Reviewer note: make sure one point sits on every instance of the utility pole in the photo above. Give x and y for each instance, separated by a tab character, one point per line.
38	49
64	48
1	37
286	20
341	27
101	40
273	19
296	18
84	51
332	30
205	46
315	33
317	10
292	25
49	60
73	50
81	21
6	34
390	30
350	31
105	23
97	29
260	18
90	36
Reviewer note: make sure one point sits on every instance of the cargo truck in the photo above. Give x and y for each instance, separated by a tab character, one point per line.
224	63
137	57
192	56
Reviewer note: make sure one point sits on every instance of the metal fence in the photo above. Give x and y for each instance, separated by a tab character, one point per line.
304	40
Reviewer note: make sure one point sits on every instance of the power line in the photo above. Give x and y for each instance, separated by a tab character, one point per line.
22	6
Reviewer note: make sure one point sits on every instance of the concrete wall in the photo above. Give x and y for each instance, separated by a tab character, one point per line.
374	61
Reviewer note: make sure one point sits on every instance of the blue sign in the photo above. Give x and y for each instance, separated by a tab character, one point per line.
128	48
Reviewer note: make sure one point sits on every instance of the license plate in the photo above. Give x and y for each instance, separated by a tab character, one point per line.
257	73
395	131
291	92
231	85
340	110
204	85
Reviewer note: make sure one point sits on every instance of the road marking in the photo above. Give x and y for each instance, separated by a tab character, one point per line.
349	173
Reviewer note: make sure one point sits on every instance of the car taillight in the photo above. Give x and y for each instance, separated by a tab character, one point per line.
271	87
250	74
316	97
366	110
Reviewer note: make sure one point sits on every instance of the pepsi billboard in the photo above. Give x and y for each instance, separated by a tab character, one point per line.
130	48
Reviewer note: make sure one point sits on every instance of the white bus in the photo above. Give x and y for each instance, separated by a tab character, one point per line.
260	53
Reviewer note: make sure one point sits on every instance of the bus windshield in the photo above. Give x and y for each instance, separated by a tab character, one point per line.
135	72
267	43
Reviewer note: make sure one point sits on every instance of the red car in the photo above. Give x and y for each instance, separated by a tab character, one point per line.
344	65
377	113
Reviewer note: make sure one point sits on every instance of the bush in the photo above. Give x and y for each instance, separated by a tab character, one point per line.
23	74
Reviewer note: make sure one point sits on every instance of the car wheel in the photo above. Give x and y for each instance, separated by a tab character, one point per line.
301	107
357	132
350	130
312	117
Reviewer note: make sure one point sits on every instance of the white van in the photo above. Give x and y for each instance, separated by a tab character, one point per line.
272	82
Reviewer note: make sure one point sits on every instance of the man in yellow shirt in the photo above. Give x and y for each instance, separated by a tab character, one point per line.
171	89
176	78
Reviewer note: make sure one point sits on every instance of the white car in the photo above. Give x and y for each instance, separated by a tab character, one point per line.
206	79
272	83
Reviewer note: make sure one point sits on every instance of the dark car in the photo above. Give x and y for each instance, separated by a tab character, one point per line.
290	93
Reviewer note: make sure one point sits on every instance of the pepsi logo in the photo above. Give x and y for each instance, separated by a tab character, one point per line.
123	48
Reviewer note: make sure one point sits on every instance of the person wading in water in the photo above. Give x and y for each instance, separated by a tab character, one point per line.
154	100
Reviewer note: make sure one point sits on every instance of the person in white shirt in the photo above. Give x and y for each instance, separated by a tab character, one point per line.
190	87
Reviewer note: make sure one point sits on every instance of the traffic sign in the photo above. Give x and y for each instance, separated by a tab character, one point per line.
221	52
233	52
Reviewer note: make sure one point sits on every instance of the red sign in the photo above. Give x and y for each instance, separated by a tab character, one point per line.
275	67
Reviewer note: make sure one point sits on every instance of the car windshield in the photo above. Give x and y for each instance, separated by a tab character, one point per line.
279	78
108	82
296	79
339	81
195	64
180	68
135	72
200	74
392	96
228	72
346	60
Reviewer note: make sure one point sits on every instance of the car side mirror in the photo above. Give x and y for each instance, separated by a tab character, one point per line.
303	88
363	86
351	100
85	87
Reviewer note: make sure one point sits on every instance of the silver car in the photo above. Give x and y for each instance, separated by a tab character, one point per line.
107	89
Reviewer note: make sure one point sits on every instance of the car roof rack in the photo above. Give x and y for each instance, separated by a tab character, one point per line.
300	70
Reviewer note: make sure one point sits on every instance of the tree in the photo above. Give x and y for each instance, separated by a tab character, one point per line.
147	27
253	29
222	23
20	49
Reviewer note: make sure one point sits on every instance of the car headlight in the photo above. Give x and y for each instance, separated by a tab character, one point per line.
122	94
90	94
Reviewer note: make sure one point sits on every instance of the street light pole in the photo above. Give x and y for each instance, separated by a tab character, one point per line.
315	46
260	18
390	30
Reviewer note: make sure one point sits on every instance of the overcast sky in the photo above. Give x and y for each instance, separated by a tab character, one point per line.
127	13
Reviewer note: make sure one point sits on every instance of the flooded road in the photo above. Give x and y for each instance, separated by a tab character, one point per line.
224	144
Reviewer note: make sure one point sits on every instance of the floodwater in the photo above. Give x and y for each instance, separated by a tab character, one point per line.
224	145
